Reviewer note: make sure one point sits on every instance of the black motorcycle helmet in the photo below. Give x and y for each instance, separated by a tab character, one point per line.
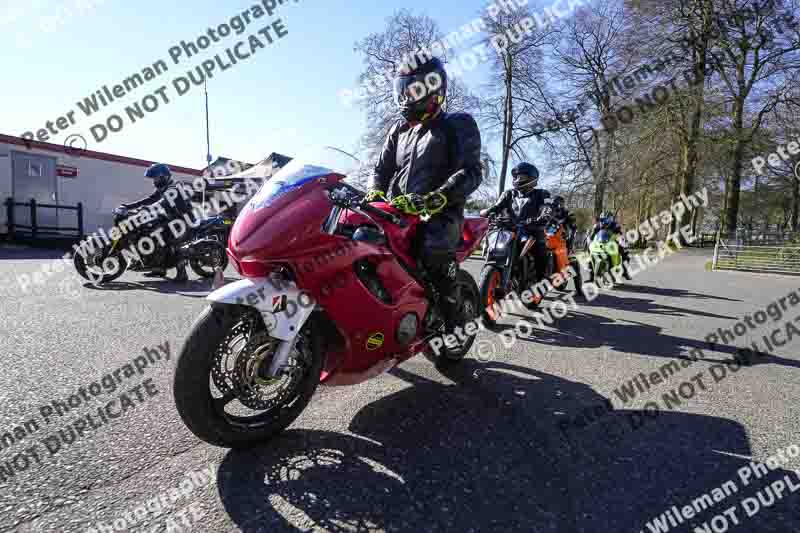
525	177
420	90
160	174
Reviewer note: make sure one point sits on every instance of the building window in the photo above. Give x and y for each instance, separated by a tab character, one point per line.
34	169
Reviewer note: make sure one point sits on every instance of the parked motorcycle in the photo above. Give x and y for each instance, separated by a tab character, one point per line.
511	265
102	261
331	293
216	228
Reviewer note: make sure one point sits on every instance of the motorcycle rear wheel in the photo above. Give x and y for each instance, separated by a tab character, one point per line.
469	300
205	269
204	413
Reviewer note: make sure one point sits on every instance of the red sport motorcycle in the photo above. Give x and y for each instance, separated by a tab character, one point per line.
331	294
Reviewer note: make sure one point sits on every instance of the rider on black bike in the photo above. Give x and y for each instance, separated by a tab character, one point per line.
524	201
168	200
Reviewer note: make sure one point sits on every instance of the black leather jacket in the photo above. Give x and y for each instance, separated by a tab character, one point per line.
520	206
181	205
443	154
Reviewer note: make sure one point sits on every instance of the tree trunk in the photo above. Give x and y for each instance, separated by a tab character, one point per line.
602	178
795	202
697	217
674	194
697	92
508	124
734	182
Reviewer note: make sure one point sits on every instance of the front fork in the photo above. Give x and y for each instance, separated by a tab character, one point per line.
282	305
508	271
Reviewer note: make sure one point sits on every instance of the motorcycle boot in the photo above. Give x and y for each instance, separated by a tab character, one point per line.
181	276
442	274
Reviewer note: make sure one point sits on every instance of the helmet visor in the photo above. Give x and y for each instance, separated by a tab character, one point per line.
524	182
415	88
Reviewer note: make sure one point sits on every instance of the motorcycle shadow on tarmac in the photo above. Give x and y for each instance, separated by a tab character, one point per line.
670	292
648	306
194	288
499	450
585	330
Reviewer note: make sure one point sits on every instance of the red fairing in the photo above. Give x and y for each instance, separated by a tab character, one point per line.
400	238
289	231
472	234
286	230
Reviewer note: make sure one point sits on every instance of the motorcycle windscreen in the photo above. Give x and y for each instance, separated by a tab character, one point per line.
290	178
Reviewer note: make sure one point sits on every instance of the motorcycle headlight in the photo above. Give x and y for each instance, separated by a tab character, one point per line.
498	240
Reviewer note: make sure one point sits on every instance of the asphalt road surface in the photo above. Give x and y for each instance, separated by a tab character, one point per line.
500	445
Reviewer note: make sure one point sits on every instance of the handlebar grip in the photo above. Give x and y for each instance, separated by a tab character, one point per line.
383	214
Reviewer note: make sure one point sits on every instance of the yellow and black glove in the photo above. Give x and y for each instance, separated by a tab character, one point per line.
374	195
434	203
423	206
410	204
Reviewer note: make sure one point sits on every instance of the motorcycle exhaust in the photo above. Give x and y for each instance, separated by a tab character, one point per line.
199	249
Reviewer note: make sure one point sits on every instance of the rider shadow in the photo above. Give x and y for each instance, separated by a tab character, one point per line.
485	454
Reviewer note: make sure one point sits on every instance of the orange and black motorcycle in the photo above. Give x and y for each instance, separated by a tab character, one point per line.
510	263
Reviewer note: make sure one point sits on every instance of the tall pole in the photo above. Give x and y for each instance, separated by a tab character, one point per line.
208	144
208	133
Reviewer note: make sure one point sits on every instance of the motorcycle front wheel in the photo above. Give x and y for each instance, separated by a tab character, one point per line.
490	290
91	266
600	268
221	388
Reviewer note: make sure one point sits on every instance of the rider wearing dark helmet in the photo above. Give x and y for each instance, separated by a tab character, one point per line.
171	205
568	219
431	162
524	201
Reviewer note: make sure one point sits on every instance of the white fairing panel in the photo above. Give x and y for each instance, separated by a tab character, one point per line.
284	307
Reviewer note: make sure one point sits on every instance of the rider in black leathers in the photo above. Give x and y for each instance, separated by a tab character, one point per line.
171	203
568	219
431	159
524	201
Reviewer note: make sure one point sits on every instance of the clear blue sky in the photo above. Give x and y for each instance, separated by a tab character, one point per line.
281	99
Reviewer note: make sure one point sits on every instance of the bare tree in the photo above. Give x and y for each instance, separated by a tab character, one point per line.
589	52
754	58
516	81
406	37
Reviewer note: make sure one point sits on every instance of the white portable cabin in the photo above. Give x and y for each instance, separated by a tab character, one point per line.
55	175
